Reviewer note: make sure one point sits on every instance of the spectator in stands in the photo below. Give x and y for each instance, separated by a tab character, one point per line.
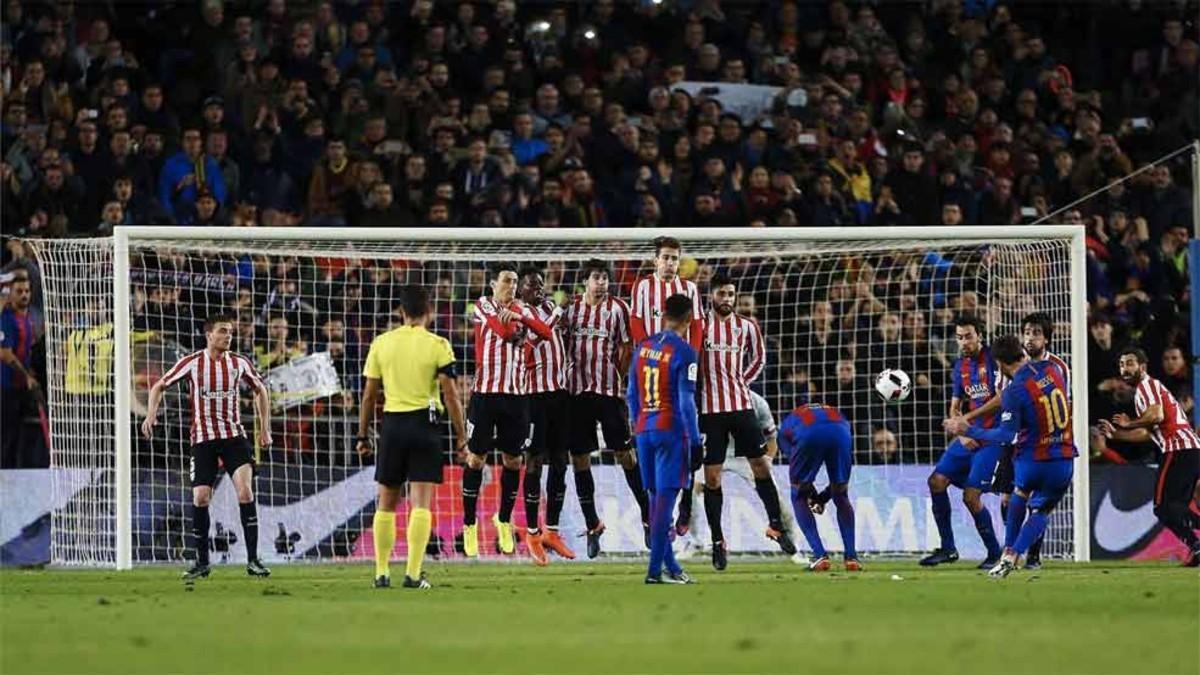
185	174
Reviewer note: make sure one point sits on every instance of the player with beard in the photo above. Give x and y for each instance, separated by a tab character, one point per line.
734	354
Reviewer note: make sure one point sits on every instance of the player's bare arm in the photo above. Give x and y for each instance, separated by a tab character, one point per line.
365	445
262	408
454	408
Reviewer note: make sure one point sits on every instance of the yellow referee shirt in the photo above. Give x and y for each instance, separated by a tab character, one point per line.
408	360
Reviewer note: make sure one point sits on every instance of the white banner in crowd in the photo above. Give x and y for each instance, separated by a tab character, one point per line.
305	379
748	101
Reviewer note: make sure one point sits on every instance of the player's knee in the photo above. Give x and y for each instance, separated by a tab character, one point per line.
839	488
581	462
972	498
475	461
511	462
712	480
625	458
937	482
760	467
245	494
804	489
201	497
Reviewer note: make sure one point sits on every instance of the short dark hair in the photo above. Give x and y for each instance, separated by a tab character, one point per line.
502	267
721	279
1137	353
414	300
677	308
595	265
214	319
666	242
1041	320
1007	349
964	320
529	270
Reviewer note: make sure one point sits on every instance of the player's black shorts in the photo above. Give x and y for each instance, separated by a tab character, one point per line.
1177	476
549	433
410	449
742	425
233	452
1002	479
586	410
498	422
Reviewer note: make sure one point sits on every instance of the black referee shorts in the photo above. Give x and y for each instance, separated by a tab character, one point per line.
588	410
410	449
1177	476
498	422
742	425
233	452
549	428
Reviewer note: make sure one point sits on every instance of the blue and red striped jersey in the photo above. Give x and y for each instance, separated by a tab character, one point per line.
976	380
661	393
1036	415
793	433
18	332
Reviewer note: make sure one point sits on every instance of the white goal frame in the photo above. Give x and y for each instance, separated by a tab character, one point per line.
123	236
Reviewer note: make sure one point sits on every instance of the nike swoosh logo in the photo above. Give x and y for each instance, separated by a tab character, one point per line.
314	517
1117	530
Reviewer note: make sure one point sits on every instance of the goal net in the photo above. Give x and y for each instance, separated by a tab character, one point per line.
836	307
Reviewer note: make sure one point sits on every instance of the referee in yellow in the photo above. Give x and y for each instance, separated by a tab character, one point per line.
410	365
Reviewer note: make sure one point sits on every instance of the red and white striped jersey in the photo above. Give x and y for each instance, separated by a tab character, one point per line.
595	334
649	294
1062	367
499	348
214	398
1174	432
546	360
734	354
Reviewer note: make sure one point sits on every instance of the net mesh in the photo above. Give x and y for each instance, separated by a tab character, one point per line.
834	313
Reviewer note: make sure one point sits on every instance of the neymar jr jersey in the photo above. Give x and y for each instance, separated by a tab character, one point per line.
661	394
1035	413
976	380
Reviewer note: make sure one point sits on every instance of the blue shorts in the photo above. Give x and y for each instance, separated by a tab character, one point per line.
970	468
827	443
664	460
1045	483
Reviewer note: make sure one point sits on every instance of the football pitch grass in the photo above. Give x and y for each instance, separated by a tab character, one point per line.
756	617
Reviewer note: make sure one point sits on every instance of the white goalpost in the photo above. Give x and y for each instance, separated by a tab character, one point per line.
837	305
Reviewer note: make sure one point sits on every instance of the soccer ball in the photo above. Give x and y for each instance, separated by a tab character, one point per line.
893	385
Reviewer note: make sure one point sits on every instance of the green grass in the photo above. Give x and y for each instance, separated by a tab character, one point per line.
753	618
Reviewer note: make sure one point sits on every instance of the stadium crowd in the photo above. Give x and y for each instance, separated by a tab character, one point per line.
490	114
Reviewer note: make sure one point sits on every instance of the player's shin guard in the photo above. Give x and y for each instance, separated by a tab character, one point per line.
200	532
585	488
634	478
660	535
249	513
714	502
556	492
807	522
1033	528
765	487
1014	520
420	521
510	485
845	520
533	497
983	525
384	531
941	516
472	479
